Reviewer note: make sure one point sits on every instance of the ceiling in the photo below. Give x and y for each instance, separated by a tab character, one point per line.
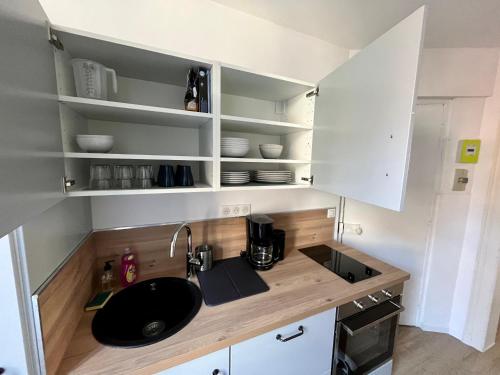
355	23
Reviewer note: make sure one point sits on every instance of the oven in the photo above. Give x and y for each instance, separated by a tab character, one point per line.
365	333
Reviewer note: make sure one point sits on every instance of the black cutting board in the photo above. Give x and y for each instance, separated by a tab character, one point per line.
229	280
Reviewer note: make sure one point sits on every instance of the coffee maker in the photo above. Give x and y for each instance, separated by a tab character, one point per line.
265	246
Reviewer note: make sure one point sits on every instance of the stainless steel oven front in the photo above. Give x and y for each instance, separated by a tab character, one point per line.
366	331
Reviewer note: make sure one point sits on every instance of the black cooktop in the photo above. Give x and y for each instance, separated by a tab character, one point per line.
346	267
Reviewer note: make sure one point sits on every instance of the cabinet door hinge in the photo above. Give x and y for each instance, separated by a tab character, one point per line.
309	179
67	182
315	92
54	40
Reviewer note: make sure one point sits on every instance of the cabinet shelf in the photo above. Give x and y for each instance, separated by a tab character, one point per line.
245	82
262	186
253	125
85	155
104	110
197	188
266	161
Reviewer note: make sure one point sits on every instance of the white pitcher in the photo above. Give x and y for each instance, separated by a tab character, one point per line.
91	79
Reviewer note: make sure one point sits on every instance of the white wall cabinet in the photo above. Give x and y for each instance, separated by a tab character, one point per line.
364	119
353	138
216	363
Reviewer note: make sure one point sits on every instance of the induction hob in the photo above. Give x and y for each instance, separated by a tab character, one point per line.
346	267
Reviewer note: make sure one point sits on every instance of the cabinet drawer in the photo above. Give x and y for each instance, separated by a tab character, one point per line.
304	347
213	363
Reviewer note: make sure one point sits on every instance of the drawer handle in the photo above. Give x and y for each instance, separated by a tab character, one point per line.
285	339
217	372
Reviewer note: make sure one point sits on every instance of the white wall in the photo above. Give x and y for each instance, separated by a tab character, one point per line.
51	236
205	29
452	209
455	72
12	350
119	211
474	292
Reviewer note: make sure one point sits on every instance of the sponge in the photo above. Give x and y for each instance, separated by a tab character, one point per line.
99	300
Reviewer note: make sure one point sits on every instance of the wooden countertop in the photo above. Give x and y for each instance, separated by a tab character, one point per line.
299	288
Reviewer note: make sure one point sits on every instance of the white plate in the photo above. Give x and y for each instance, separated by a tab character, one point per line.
235	182
233	139
273	176
274	172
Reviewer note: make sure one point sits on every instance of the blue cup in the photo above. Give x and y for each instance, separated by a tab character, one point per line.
166	176
183	176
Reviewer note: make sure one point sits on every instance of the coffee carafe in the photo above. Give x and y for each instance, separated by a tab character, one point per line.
263	248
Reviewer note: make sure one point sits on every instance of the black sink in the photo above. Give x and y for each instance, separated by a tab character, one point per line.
147	312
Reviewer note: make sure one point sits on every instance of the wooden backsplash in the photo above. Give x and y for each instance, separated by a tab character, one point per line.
228	236
62	301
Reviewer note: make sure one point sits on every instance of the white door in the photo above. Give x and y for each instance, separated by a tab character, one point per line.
401	238
363	119
31	164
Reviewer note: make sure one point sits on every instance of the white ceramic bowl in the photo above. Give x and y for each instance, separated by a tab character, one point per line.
270	151
234	152
95	143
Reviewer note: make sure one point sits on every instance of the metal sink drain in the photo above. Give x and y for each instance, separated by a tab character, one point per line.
153	328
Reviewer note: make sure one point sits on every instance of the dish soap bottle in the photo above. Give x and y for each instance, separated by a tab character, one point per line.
128	273
107	276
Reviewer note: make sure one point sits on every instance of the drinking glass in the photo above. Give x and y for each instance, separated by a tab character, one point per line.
123	172
144	172
100	172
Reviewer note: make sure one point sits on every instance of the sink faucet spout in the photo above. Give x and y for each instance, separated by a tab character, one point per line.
173	241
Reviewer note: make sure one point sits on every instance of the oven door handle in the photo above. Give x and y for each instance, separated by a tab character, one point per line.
353	332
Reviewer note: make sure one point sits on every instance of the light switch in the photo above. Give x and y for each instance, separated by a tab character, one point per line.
460	180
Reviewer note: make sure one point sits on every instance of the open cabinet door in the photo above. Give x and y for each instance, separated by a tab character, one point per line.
31	164
363	119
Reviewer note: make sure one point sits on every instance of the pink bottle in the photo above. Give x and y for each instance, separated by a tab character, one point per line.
128	270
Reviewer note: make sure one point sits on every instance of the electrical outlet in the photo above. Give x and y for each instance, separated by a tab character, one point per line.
353	229
330	213
235	210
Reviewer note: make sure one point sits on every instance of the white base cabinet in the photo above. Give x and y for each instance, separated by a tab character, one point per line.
310	352
212	364
303	347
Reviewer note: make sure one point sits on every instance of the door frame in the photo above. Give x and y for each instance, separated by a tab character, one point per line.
438	181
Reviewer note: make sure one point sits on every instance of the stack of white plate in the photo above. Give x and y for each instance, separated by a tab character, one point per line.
275	177
234	147
240	177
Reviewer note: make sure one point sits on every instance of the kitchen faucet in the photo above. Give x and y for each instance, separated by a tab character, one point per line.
192	262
